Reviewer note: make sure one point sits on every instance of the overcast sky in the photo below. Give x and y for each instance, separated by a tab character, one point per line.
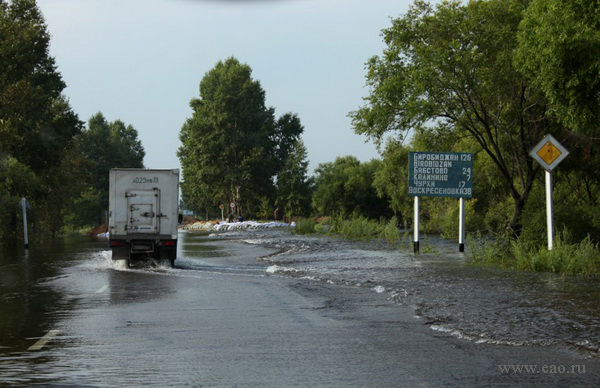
141	61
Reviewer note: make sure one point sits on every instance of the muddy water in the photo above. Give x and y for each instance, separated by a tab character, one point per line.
477	304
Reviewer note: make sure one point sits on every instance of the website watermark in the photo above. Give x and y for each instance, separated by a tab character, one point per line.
542	369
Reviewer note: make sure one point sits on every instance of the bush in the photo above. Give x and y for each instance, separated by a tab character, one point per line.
488	251
361	228
356	227
390	231
582	258
305	226
323	225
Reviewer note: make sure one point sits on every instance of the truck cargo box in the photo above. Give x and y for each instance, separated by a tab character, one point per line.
143	213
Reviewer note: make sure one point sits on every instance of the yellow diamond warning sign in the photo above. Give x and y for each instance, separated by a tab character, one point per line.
549	153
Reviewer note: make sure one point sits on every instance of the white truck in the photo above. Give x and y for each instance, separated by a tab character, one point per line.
143	214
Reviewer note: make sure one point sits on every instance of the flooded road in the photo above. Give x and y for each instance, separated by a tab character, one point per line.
268	308
484	305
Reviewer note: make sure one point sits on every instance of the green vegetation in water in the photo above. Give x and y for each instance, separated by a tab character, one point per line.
566	257
354	228
305	226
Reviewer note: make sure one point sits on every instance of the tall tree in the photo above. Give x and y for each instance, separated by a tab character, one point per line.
293	185
37	125
451	67
29	87
104	145
288	130
232	146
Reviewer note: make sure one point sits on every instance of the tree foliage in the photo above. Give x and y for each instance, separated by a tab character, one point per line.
293	186
232	146
37	125
16	180
345	186
559	42
451	68
103	145
558	48
224	143
35	120
391	179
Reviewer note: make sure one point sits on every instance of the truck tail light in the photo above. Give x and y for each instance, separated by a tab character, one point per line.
117	243
169	243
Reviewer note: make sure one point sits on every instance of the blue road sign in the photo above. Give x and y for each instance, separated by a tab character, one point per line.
440	174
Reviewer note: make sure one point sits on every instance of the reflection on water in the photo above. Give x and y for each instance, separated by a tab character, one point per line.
26	303
74	289
29	306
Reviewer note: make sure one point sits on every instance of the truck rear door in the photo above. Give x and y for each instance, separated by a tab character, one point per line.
143	206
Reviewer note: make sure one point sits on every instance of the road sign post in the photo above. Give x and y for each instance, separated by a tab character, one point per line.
549	153
416	226
440	174
461	225
25	236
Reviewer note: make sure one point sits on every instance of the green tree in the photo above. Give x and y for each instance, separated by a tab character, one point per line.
559	42
288	130
37	125
346	186
391	179
30	87
104	145
232	147
451	67
67	181
293	185
224	144
558	48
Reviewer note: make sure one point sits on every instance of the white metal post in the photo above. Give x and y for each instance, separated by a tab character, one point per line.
461	225
549	210
416	226
25	237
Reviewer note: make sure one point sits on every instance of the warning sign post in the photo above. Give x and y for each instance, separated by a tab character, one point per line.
549	153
